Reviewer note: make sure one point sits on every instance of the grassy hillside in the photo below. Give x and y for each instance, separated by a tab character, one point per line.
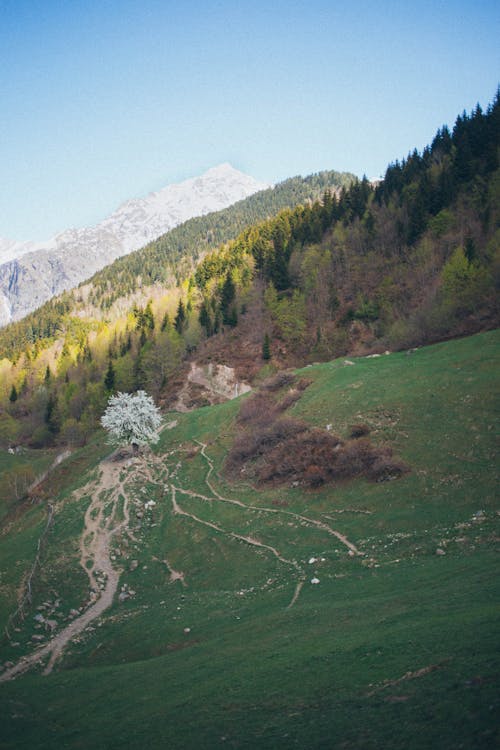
222	639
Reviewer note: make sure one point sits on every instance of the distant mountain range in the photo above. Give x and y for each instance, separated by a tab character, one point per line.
31	272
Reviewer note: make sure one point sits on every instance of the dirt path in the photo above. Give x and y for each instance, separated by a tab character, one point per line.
311	521
101	523
248	539
95	560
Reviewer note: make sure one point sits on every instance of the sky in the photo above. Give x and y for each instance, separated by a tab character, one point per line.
105	100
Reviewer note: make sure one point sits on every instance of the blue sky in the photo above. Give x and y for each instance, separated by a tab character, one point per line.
108	99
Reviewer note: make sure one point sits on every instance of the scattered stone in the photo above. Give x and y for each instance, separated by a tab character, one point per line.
312	560
440	551
74	613
37	638
187	630
133	564
329	427
39	618
348	362
50	625
314	580
139	514
123	596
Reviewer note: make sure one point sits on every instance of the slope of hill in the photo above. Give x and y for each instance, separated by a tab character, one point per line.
162	263
38	271
412	260
355	615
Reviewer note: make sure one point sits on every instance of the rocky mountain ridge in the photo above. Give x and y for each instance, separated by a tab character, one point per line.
32	273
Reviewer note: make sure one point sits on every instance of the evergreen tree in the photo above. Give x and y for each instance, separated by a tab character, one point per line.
180	317
148	320
109	378
227	297
266	348
13	394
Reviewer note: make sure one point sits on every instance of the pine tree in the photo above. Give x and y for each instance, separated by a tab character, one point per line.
266	348
13	394
109	378
148	319
180	318
226	298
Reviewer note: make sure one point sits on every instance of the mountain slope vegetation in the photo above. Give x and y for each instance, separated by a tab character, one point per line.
411	260
360	615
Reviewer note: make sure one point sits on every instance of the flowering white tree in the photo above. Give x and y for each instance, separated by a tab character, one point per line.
132	418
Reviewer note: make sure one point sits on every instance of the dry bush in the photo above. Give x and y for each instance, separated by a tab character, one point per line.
289	400
303	383
386	469
258	441
315	457
280	380
276	449
304	458
259	409
359	430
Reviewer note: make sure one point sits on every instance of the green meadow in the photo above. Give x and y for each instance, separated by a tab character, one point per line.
356	615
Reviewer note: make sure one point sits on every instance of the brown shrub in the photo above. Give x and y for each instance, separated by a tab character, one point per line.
288	400
259	409
260	439
303	383
386	469
277	449
280	380
359	430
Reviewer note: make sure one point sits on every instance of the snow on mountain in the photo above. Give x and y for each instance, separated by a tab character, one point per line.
31	272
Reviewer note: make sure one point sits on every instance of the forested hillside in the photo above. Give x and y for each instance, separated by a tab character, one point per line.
411	260
162	264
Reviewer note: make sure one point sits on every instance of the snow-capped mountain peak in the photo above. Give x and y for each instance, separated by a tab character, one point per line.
32	272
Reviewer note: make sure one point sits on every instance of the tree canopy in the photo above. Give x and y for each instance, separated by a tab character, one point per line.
132	419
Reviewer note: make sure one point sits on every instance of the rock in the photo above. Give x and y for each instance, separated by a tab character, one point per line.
8	664
133	564
440	551
37	638
312	560
123	596
187	630
50	625
348	362
39	618
74	613
314	580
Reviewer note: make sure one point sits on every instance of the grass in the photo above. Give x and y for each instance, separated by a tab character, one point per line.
394	648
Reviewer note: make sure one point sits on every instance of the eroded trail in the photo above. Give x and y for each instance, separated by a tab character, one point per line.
310	521
100	524
109	513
